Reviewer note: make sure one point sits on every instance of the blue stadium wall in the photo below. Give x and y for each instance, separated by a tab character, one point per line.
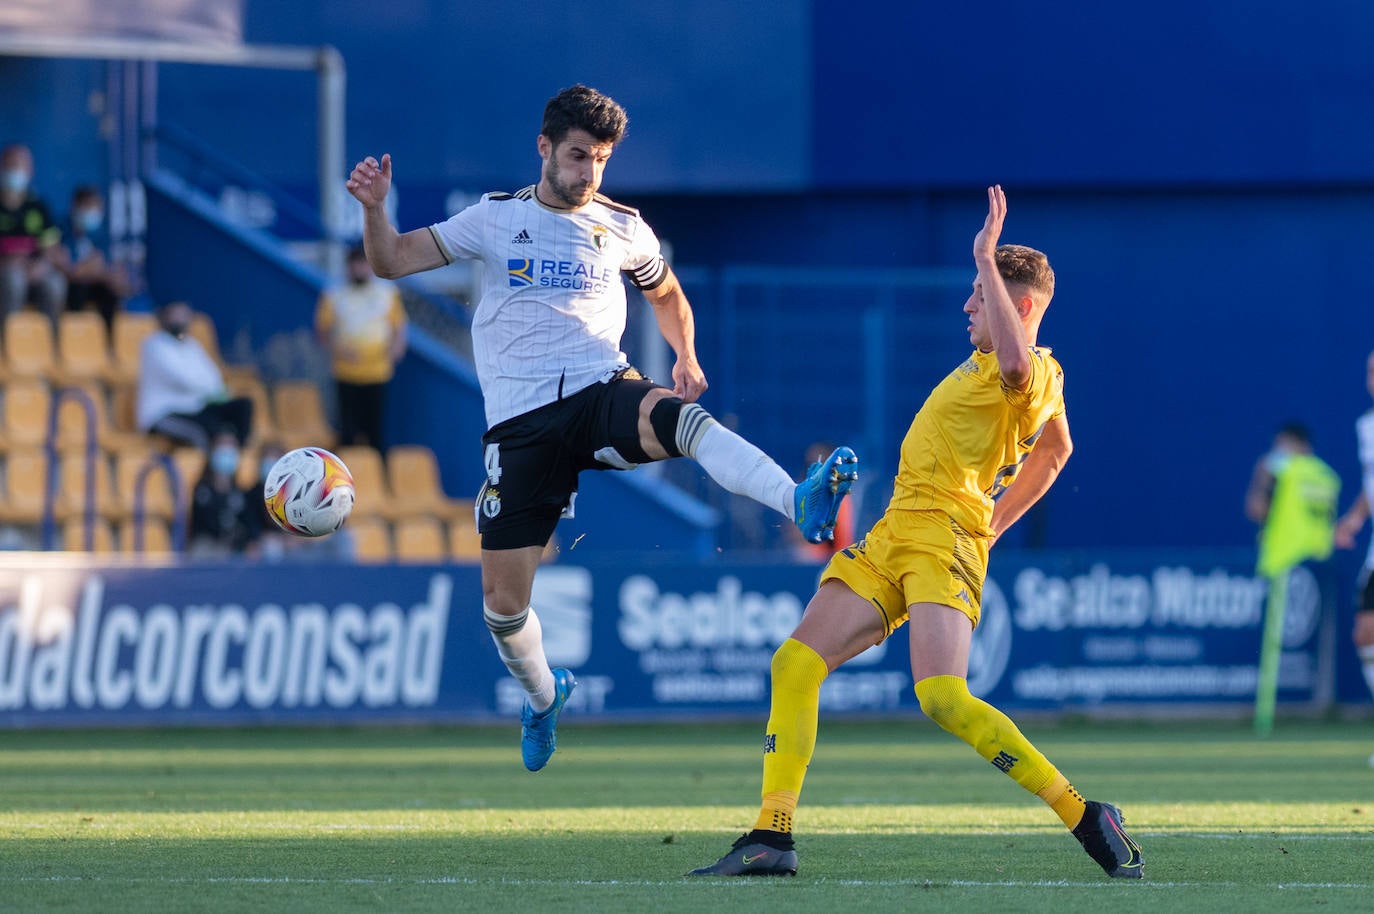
1203	182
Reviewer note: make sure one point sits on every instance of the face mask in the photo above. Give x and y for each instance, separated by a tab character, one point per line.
15	179
266	467
224	460
89	220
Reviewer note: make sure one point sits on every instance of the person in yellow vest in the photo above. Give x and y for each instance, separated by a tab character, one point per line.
363	326
1292	496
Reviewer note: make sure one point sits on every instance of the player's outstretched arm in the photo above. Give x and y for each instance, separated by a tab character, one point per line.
1037	474
390	253
675	322
1003	315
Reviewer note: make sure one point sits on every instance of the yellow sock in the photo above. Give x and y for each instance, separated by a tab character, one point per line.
947	701
798	672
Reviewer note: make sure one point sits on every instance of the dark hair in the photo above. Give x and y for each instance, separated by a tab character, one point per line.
1296	431
584	108
85	193
1026	267
356	252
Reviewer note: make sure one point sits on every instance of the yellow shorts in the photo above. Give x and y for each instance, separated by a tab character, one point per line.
914	557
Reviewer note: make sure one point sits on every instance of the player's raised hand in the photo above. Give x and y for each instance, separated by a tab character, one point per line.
371	180
985	242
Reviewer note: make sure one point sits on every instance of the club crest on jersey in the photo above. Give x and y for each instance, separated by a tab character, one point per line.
600	237
491	502
521	272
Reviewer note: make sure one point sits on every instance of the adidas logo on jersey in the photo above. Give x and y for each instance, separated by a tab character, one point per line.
522	238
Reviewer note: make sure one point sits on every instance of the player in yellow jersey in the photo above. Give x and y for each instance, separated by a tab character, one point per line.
996	420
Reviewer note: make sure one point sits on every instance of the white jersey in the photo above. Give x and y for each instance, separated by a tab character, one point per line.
1364	435
552	309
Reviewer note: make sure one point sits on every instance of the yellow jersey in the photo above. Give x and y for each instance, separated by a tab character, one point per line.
359	322
969	439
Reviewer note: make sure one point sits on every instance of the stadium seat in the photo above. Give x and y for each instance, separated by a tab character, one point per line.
264	428
413	471
420	539
156	537
299	414
73	421
25	405
372	494
26	481
203	330
465	543
83	348
29	348
70	500
190	464
157	492
371	539
74	536
130	329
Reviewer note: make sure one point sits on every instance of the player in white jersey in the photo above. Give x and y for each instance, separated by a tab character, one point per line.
1349	526
560	396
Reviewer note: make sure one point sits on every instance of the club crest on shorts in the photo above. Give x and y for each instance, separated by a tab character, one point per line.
491	502
600	237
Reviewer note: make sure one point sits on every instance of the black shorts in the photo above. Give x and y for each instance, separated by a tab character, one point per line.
533	459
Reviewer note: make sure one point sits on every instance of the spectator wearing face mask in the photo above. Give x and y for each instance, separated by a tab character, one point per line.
181	392
92	281
31	254
224	518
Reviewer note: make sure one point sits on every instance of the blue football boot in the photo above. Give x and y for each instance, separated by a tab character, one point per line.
539	732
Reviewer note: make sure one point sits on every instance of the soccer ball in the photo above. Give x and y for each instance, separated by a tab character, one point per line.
309	492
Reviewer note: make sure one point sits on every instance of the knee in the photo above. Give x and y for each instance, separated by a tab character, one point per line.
944	699
796	666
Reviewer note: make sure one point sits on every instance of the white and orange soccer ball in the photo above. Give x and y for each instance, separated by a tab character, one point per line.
309	492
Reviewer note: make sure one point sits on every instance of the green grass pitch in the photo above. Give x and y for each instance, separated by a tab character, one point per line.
896	816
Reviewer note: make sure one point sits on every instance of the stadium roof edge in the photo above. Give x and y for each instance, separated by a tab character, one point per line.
275	57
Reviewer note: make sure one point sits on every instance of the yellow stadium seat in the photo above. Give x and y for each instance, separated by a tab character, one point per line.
420	539
156	538
203	330
371	539
299	414
465	543
130	329
372	494
74	536
26	404
29	348
413	471
83	348
26	482
264	429
157	492
71	496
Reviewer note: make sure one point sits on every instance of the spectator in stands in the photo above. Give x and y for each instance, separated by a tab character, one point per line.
362	325
181	392
224	518
31	255
92	281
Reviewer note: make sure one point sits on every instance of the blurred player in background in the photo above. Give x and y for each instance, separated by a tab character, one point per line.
998	418
559	395
1349	526
363	325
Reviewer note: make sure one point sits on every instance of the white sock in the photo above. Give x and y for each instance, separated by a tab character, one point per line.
520	642
1367	659
740	467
